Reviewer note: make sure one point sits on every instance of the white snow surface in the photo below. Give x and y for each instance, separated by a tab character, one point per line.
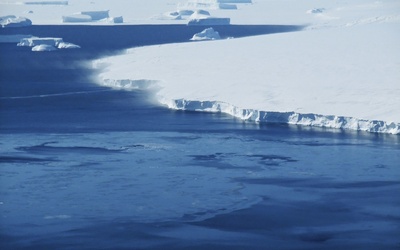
341	71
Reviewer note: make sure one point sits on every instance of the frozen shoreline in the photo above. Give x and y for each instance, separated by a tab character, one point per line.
327	78
260	116
339	72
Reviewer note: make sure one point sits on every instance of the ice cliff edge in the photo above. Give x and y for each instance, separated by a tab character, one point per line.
259	116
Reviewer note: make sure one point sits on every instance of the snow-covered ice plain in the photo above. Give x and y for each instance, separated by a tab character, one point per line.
103	145
341	71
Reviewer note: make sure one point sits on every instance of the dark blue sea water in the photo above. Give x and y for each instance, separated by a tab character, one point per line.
87	167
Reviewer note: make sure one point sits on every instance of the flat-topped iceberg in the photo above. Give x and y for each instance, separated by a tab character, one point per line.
92	16
14	21
86	16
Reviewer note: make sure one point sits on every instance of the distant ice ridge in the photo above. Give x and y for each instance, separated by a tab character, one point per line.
260	116
92	16
14	21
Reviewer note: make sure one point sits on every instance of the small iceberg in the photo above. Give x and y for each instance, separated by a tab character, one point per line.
207	34
34	41
44	47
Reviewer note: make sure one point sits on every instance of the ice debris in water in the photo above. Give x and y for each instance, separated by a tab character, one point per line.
46	43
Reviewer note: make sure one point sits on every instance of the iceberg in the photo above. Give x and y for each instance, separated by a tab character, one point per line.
64	45
77	18
14	21
117	19
46	43
86	16
92	16
44	47
207	34
96	15
34	41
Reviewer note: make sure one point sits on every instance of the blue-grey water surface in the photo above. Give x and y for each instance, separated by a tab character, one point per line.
87	167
